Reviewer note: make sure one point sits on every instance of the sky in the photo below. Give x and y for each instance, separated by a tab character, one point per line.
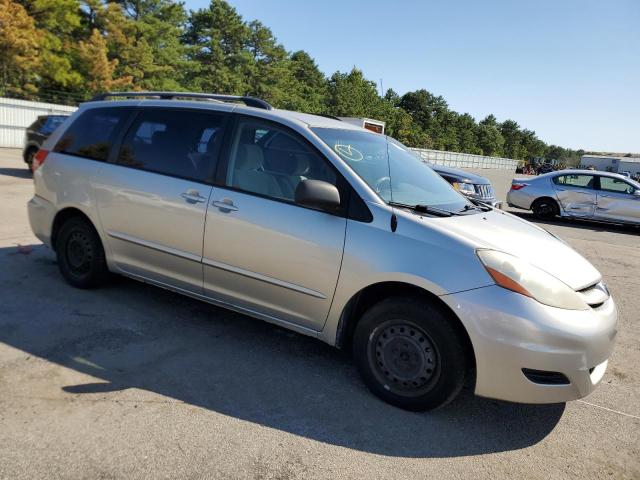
567	69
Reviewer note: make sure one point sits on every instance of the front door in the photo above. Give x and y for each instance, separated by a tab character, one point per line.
576	194
617	202
152	198
262	252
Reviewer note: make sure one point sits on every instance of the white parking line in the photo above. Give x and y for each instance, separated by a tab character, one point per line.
609	409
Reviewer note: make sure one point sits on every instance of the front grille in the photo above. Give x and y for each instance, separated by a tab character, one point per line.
485	191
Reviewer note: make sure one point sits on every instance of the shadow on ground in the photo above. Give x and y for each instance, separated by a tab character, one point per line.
133	335
16	172
580	224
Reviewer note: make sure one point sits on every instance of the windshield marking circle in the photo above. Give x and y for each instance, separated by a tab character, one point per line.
348	152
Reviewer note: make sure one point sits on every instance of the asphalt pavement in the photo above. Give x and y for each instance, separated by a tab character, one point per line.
130	381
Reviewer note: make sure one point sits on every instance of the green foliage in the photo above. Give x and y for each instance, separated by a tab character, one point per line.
67	50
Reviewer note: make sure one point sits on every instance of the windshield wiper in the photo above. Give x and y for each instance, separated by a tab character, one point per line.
468	207
478	205
420	208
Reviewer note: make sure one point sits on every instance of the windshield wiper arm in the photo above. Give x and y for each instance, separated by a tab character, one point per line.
480	206
420	208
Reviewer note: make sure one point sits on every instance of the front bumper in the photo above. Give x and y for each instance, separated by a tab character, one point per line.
41	214
510	332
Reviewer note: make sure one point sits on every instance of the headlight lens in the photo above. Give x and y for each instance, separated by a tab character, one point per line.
467	188
519	276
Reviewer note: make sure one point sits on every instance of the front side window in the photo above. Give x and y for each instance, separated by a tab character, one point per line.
174	142
390	169
577	181
609	184
91	135
272	161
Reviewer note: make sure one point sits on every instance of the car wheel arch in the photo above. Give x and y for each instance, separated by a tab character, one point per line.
553	200
374	293
62	216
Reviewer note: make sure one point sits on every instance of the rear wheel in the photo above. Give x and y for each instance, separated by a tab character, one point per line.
409	353
28	158
545	208
80	254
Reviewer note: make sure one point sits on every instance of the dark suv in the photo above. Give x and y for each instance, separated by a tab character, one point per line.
37	133
469	184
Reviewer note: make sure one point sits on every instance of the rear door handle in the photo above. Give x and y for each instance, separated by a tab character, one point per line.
193	196
226	204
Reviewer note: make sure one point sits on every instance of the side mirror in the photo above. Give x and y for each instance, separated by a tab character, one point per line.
636	192
317	194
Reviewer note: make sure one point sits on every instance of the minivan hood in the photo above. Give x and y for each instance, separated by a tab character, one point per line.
503	231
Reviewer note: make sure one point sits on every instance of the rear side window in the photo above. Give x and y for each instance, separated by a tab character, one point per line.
180	143
579	181
91	135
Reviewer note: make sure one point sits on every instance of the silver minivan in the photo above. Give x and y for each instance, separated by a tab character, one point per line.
330	230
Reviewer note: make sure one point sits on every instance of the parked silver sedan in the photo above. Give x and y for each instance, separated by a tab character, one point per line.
585	194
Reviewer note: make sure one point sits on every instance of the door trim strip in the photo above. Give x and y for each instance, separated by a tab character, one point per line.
155	246
230	306
263	278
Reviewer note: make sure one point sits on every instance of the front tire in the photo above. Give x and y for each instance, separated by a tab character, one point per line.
80	254
409	353
545	209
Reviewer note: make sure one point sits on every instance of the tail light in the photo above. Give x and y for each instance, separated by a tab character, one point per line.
39	159
518	186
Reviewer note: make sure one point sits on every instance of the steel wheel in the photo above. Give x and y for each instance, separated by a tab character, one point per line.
79	253
404	358
409	352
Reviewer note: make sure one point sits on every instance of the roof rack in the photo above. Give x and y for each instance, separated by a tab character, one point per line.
248	101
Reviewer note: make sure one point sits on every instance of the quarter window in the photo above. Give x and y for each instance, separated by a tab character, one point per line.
91	135
577	181
610	184
174	142
271	161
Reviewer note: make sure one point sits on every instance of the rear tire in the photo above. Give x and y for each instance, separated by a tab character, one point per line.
409	353
80	254
28	158
545	208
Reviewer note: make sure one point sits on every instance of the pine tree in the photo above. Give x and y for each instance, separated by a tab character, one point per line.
19	49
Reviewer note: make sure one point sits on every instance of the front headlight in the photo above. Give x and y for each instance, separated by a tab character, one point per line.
466	188
519	276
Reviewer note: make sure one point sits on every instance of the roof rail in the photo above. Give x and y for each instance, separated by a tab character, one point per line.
248	101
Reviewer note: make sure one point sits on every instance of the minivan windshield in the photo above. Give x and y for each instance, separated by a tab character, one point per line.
392	171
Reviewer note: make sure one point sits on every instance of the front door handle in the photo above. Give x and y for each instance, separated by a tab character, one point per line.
193	196
226	205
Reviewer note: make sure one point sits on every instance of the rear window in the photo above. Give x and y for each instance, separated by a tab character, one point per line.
92	134
51	123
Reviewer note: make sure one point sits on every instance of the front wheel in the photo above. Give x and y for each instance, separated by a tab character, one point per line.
409	354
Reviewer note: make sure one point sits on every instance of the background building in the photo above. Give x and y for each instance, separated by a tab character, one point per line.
611	163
